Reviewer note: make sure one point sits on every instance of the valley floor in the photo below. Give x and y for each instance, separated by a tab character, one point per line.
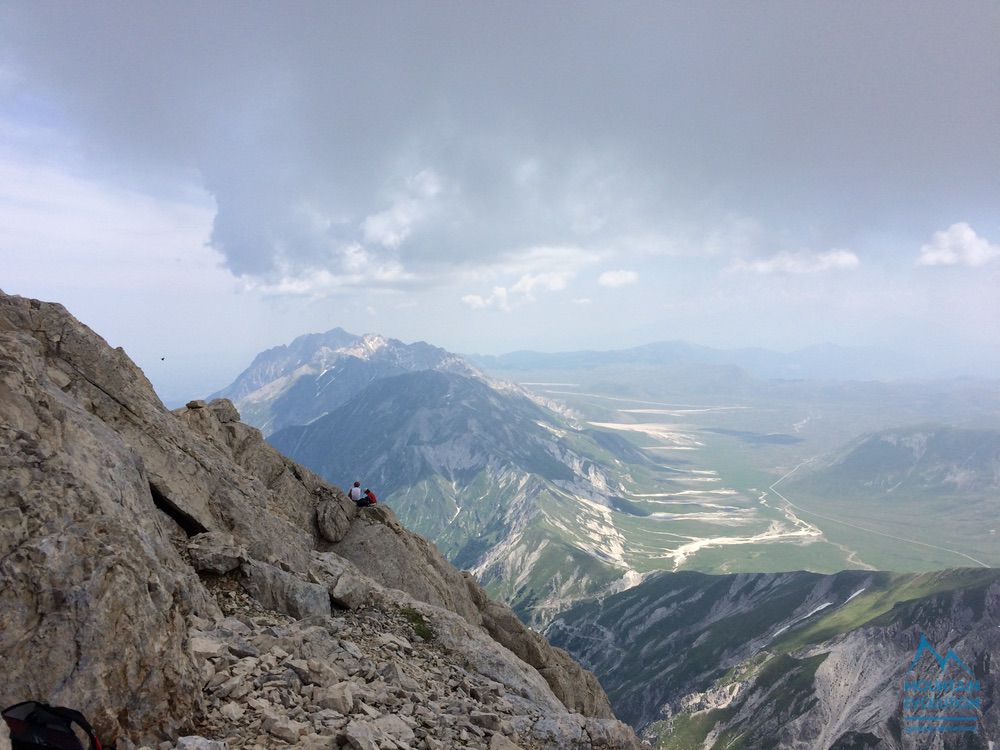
715	498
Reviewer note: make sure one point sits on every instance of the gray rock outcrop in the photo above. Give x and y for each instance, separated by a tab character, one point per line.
388	552
93	594
124	525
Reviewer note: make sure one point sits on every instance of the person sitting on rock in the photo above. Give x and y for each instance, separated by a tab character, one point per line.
370	497
355	494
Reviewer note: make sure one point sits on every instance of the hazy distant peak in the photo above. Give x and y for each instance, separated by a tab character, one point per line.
335	338
913	461
299	382
301	348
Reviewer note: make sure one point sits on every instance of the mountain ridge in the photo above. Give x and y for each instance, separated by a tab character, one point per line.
784	659
894	481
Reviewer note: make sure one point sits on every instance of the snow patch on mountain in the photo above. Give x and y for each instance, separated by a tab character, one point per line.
806	616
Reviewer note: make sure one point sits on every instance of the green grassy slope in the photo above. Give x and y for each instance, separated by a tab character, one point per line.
684	633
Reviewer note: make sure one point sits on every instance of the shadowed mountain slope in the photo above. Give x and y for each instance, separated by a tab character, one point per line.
789	659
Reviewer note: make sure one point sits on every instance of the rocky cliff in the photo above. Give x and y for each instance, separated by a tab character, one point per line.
170	574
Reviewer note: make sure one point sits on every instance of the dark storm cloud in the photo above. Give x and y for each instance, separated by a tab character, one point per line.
384	142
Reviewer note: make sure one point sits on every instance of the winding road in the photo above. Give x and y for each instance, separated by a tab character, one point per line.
773	488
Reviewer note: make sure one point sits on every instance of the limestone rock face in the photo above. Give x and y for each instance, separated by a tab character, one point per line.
349	588
573	685
93	595
123	526
383	549
397	674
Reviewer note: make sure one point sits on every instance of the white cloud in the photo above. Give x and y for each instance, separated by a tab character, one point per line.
356	270
737	235
497	299
957	245
545	259
552	281
800	262
614	279
65	231
537	269
527	173
582	301
391	227
523	290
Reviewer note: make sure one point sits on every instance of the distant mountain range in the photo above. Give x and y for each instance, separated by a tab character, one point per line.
786	659
464	461
922	459
531	501
820	362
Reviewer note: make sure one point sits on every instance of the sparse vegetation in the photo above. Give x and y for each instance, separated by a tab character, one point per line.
419	623
688	731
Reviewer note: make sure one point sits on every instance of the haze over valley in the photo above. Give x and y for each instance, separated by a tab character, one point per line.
600	469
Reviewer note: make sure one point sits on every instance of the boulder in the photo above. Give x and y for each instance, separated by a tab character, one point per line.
195	742
559	730
499	742
284	592
395	727
339	697
358	735
333	518
348	587
215	552
284	728
350	592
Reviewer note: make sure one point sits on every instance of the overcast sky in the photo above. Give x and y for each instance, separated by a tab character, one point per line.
199	181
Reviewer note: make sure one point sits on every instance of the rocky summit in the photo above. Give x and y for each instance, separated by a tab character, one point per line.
186	586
